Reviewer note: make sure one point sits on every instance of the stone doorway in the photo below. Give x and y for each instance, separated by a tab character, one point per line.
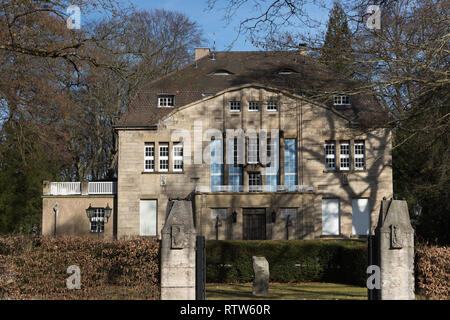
254	224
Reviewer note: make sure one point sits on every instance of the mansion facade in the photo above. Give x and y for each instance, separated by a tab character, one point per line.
266	145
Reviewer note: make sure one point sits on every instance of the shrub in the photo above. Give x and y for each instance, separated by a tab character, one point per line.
36	268
433	271
339	261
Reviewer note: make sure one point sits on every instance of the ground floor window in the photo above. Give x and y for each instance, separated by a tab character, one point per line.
330	217
98	220
148	217
360	217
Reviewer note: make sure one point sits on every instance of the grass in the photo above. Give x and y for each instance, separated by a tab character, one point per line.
286	291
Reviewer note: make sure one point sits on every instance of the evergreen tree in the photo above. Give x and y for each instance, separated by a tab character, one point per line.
336	49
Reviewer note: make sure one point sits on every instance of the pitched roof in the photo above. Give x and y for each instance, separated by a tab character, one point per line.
285	70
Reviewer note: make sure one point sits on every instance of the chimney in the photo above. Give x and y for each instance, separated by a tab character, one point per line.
201	52
302	49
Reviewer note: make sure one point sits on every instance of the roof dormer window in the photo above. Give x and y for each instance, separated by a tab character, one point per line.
285	71
222	72
166	100
341	100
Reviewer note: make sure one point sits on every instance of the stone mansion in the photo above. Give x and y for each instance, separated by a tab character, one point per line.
266	145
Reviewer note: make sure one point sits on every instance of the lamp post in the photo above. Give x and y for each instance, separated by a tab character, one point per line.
288	224
55	210
218	224
417	210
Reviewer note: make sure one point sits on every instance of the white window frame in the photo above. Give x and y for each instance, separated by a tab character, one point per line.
329	155
253	106
341	100
360	153
235	106
163	157
344	155
360	217
272	106
149	155
177	148
252	150
166	101
99	218
331	221
251	179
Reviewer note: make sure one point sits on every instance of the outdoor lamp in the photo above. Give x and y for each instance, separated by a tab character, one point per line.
108	211
417	210
90	212
274	216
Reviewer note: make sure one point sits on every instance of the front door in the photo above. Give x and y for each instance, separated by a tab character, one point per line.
254	226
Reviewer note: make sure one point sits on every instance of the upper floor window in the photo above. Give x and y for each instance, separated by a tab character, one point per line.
235	106
290	164
344	155
253	106
254	182
272	106
341	100
360	157
330	155
149	157
178	157
164	157
166	101
253	150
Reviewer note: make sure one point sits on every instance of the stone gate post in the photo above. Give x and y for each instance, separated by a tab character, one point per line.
178	253
395	237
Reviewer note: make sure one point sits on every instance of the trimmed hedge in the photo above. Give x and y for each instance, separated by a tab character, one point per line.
337	261
33	268
433	271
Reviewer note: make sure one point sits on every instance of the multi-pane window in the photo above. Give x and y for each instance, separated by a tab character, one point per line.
341	100
253	149
216	165
272	162
178	157
253	106
163	157
235	106
98	220
235	171
166	101
330	156
219	212
360	158
272	105
344	155
290	164
289	212
149	157
254	182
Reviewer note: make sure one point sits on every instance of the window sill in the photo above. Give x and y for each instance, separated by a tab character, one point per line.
162	172
343	171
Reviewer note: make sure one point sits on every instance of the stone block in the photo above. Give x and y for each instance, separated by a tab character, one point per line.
261	281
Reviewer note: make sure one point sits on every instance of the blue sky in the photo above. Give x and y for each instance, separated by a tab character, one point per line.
212	23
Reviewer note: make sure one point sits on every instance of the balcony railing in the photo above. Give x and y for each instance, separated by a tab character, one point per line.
76	188
108	187
65	188
265	188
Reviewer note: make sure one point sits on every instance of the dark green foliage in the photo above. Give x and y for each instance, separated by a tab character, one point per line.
338	261
22	171
335	52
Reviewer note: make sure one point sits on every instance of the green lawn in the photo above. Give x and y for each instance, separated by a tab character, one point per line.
286	291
